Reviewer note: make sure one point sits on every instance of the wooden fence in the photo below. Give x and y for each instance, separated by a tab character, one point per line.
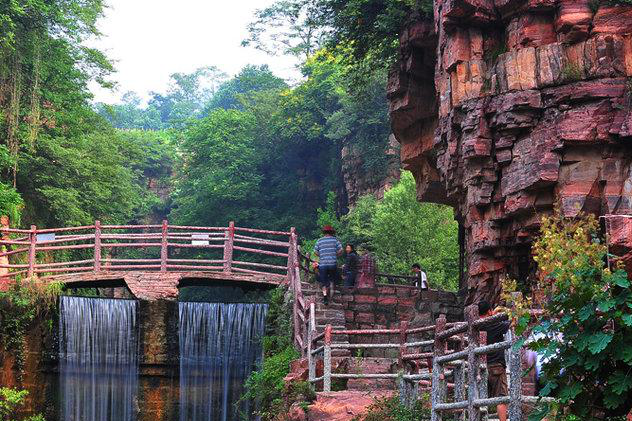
452	360
49	253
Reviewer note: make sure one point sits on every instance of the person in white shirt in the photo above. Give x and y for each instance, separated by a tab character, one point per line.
422	278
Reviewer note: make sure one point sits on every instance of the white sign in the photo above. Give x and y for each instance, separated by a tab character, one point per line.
200	239
43	238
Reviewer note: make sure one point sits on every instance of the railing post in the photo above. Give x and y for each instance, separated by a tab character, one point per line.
515	381
311	366
311	320
164	246
292	259
483	374
473	363
403	336
438	378
228	247
327	360
97	246
33	241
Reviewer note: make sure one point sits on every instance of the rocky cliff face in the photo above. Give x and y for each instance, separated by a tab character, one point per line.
358	182
505	109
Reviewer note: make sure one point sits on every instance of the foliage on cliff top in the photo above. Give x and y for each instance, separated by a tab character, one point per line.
586	329
366	31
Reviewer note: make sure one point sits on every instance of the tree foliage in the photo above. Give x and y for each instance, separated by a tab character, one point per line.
401	231
291	27
218	176
10	402
587	326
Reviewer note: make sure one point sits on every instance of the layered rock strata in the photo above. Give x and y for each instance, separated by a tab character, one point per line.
507	108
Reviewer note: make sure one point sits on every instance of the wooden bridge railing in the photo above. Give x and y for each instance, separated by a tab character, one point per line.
53	252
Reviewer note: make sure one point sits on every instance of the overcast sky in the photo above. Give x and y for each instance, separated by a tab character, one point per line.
150	39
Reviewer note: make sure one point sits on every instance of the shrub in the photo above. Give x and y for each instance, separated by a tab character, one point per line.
266	386
10	401
391	409
586	328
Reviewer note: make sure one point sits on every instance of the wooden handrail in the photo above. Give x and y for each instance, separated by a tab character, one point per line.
166	237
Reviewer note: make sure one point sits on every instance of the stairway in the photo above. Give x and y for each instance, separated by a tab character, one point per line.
346	360
332	314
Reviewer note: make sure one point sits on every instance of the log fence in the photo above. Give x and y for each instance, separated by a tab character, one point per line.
450	361
100	248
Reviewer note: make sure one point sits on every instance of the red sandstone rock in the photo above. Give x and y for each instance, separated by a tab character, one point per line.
508	136
296	413
613	20
342	406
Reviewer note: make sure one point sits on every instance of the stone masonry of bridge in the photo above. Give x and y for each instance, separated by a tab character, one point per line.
507	108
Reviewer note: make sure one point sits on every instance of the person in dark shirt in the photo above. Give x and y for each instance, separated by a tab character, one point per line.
496	365
350	267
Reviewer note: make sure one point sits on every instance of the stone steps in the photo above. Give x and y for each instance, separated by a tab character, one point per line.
360	365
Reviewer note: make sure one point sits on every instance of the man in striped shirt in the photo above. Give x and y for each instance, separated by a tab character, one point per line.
328	248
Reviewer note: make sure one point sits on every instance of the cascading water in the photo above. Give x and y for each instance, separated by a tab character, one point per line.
98	359
219	347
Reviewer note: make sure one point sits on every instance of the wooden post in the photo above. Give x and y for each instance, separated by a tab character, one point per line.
311	366
405	386
515	381
97	246
327	360
33	241
403	336
438	378
459	388
473	362
483	377
164	247
292	259
228	247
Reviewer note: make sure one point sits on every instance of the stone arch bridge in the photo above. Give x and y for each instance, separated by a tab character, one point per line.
152	261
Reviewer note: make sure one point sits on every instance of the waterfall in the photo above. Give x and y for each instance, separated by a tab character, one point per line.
219	347
98	359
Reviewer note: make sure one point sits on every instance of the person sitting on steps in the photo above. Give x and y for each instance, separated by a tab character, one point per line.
496	365
327	248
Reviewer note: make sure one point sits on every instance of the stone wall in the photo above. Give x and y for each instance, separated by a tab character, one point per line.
158	393
506	109
385	307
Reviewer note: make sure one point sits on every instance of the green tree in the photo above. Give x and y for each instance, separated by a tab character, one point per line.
291	27
218	178
232	93
401	231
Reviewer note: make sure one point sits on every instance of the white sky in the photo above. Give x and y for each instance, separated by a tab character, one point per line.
150	39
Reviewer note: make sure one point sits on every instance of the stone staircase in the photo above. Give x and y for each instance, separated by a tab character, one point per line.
344	359
332	314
